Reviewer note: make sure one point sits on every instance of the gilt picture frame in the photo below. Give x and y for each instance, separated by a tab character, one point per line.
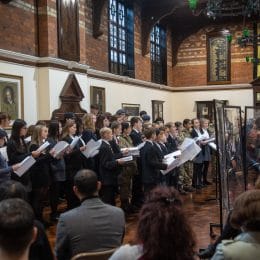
12	96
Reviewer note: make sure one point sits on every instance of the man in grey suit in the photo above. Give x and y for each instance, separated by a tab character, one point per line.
93	226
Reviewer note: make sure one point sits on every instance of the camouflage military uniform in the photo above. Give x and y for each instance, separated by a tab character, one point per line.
126	175
186	170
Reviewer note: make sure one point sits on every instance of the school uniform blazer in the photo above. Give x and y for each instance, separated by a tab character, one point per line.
73	160
109	168
16	154
151	164
40	171
116	149
136	137
171	144
89	163
199	157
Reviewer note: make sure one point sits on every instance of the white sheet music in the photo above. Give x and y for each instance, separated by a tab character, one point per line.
189	149
127	159
59	148
134	151
4	153
213	146
43	146
74	141
92	148
28	139
172	155
141	145
26	164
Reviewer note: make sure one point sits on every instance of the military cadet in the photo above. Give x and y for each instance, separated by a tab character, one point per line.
128	171
186	170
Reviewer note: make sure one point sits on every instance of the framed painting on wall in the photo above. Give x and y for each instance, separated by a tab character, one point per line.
131	109
157	109
11	96
218	57
98	97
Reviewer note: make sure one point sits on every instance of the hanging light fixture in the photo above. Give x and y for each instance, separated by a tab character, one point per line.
224	8
193	4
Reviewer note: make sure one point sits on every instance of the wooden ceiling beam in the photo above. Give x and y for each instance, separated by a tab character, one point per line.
151	13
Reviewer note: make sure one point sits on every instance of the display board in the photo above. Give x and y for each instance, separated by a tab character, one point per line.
234	156
251	145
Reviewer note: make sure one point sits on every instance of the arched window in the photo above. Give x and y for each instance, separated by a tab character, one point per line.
158	55
121	37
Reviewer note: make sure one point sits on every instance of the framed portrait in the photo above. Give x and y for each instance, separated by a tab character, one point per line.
11	96
98	97
131	109
218	58
157	109
258	96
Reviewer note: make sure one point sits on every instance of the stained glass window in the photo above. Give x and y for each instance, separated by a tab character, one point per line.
158	55
121	38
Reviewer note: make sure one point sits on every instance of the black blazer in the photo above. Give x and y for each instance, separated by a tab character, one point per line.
108	166
151	164
116	149
171	144
17	154
73	160
199	157
136	137
40	171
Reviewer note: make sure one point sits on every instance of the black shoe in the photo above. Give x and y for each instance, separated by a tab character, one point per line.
208	252
199	187
182	192
207	183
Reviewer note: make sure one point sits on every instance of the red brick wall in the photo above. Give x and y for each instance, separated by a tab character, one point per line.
96	49
191	69
18	31
142	63
18	28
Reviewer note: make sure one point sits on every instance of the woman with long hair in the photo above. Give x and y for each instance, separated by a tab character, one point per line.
17	151
102	121
57	169
73	162
40	174
163	231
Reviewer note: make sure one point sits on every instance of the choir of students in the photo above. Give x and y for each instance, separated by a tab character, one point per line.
53	176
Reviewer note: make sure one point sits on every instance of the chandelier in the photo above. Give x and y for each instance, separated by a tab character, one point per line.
227	8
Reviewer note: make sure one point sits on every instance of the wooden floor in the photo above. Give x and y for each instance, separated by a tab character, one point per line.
200	211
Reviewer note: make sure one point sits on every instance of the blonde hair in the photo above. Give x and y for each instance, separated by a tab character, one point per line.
103	131
36	135
87	121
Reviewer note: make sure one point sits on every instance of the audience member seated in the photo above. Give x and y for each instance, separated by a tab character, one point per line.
93	226
40	248
163	232
245	216
17	230
229	232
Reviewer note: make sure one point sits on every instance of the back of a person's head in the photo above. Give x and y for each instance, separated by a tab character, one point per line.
163	228
12	189
149	132
16	227
86	182
246	211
